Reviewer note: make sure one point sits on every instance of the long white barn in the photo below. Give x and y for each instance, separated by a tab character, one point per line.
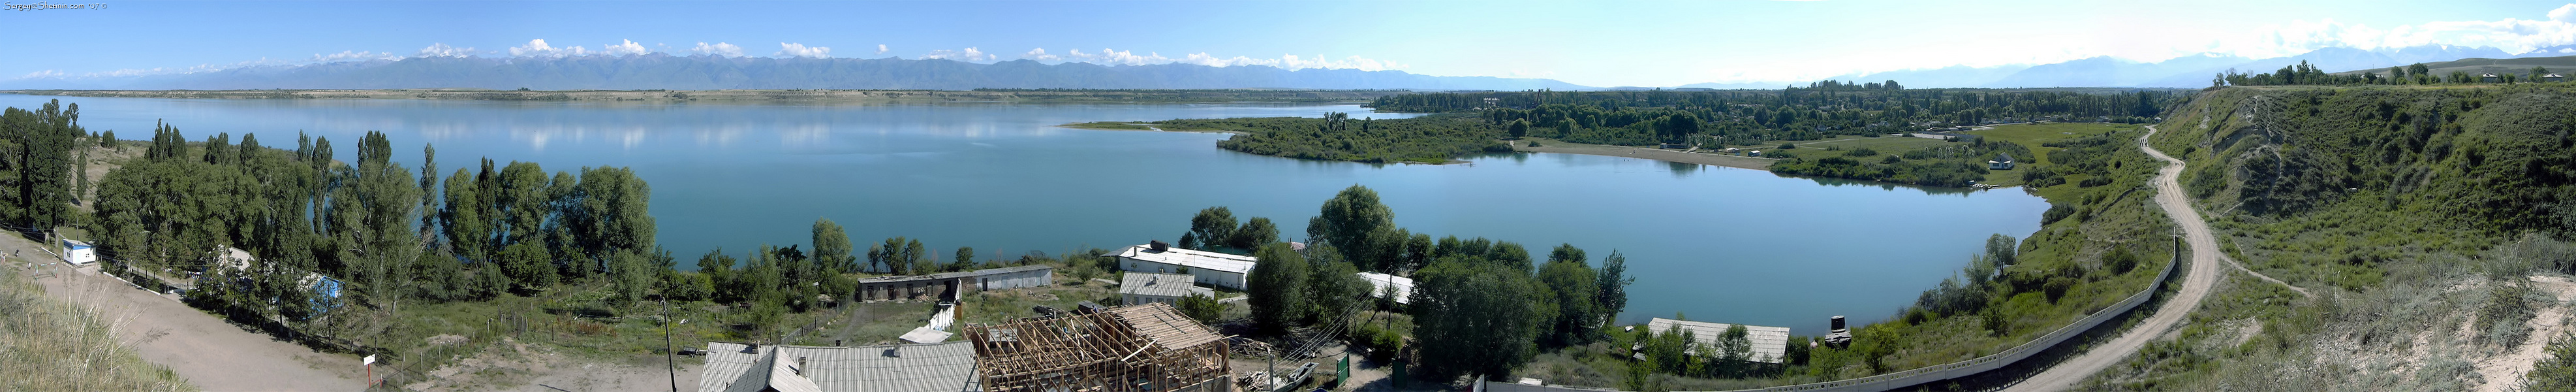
1211	268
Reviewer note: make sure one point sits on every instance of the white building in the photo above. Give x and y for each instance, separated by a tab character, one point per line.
79	253
1212	268
235	258
1390	286
1770	344
1139	288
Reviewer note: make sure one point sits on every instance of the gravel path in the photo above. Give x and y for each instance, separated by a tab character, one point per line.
2196	284
210	353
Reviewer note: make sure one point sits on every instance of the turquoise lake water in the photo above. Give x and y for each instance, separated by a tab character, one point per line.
1719	244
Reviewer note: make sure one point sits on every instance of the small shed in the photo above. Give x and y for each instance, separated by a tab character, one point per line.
2553	78
2490	78
79	253
2001	162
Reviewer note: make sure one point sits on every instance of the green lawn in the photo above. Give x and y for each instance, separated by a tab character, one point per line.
1842	144
2032	136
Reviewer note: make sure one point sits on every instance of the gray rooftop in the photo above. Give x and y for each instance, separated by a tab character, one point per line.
943	367
1165	285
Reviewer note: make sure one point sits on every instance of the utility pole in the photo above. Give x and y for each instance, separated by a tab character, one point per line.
668	354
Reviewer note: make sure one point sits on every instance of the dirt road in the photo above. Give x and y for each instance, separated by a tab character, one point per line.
210	353
2196	284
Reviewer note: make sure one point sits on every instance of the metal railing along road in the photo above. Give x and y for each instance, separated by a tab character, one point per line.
1997	360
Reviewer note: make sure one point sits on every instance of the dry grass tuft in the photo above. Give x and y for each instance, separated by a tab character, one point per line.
51	345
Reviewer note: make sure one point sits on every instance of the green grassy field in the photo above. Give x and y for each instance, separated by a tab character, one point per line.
1840	146
2034	136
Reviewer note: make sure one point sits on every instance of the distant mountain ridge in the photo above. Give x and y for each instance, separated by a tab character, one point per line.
662	71
2191	71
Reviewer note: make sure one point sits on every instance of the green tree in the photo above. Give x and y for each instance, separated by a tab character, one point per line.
469	233
919	257
1335	289
1276	287
1573	284
1733	348
1519	128
727	287
965	259
1201	308
1255	232
429	195
832	247
530	268
2002	249
1612	296
1213	226
1474	319
45	138
1347	219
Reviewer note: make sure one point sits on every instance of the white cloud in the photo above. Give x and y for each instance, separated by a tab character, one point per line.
442	50
625	49
347	55
1040	54
44	74
800	50
881	48
968	55
1285	61
2510	35
719	49
539	48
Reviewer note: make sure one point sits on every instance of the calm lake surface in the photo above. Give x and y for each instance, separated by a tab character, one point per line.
1720	244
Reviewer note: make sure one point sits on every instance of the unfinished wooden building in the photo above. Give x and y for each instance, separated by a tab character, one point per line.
1146	348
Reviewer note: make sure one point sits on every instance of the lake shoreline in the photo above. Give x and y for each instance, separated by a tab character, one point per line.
1553	146
756	96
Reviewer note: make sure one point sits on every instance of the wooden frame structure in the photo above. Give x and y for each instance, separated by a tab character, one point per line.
1146	348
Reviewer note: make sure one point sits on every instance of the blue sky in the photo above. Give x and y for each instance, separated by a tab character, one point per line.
1598	43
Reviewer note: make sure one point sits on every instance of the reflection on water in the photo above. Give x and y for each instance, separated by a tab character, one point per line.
1720	244
1682	170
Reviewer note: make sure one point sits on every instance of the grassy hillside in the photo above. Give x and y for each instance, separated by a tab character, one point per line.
49	345
2564	65
2423	218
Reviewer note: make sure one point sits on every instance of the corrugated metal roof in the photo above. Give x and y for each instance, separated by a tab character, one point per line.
944	367
1166	285
1192	258
1770	344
